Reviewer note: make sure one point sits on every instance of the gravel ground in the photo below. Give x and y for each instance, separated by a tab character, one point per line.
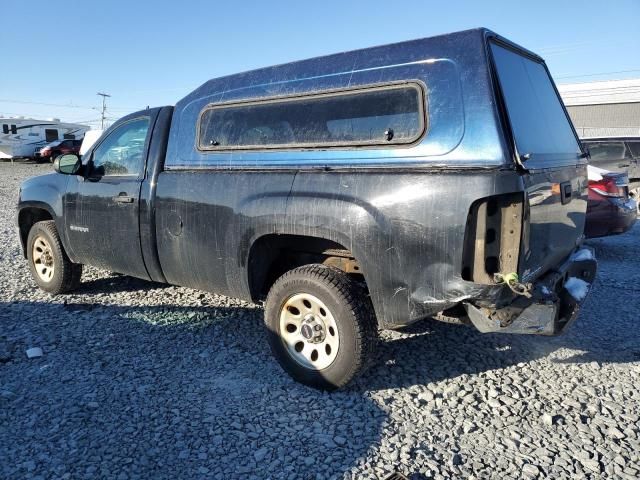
140	380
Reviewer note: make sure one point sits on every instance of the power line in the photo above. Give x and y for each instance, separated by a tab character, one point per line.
597	74
93	120
48	104
82	107
608	90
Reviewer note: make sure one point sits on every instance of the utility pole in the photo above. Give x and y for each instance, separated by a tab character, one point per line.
104	107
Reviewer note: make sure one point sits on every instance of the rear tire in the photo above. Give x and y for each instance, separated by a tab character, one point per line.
48	262
321	326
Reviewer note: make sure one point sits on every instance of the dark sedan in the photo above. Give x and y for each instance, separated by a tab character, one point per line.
610	210
617	154
52	150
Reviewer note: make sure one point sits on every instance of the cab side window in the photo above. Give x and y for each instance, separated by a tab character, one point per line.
122	152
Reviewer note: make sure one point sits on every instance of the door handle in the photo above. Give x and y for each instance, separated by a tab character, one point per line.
123	198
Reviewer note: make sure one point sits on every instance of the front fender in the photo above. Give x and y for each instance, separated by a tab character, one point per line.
44	193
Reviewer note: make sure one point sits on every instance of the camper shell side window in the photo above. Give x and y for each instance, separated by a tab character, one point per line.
381	115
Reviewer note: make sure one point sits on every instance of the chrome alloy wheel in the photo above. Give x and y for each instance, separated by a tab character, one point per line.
42	256
309	331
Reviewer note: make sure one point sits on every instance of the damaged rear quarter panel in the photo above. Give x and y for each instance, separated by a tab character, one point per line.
406	230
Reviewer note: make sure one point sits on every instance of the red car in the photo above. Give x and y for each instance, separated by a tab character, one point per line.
610	210
52	150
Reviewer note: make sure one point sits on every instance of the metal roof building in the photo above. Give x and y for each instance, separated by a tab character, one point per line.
604	109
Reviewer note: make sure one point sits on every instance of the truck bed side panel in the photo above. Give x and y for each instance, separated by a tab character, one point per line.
206	222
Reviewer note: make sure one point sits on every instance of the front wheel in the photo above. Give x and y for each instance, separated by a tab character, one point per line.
321	326
48	262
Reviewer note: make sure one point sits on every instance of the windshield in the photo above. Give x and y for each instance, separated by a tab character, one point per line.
538	121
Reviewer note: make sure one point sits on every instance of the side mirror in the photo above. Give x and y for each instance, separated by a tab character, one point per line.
68	164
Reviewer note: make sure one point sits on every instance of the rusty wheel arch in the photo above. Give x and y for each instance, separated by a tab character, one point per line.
273	255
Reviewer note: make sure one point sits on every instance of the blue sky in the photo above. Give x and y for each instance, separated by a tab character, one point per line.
154	52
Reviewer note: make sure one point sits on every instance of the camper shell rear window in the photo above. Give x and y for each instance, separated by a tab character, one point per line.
541	127
380	115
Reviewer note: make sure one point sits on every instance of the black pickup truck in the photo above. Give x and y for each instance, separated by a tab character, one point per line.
366	190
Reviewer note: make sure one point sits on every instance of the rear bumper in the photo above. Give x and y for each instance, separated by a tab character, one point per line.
554	305
609	217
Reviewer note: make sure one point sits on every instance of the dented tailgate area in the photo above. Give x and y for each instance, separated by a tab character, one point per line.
505	241
547	306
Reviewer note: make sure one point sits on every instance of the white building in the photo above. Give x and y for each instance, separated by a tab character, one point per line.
604	109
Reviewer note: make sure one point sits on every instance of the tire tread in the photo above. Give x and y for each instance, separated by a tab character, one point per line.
71	272
355	298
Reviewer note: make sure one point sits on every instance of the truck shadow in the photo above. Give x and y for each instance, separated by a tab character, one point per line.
430	351
115	283
189	391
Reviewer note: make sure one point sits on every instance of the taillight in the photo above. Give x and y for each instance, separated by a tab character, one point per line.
608	187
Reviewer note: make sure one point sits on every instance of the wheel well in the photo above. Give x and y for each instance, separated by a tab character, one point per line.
273	255
27	218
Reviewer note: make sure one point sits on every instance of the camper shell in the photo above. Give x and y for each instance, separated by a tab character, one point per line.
442	175
409	203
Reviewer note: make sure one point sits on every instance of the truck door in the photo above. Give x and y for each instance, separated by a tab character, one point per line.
102	207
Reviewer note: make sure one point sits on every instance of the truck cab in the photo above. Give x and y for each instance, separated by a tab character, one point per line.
368	190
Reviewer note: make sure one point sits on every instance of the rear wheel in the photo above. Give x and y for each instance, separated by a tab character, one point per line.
322	328
48	262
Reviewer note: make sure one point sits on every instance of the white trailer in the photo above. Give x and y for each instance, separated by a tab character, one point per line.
22	137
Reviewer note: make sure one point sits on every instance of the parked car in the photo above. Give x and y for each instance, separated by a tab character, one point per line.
50	151
610	210
352	193
617	154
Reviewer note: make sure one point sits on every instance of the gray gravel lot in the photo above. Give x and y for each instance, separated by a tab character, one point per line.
140	380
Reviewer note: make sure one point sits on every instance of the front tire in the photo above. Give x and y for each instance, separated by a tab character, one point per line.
321	326
48	262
